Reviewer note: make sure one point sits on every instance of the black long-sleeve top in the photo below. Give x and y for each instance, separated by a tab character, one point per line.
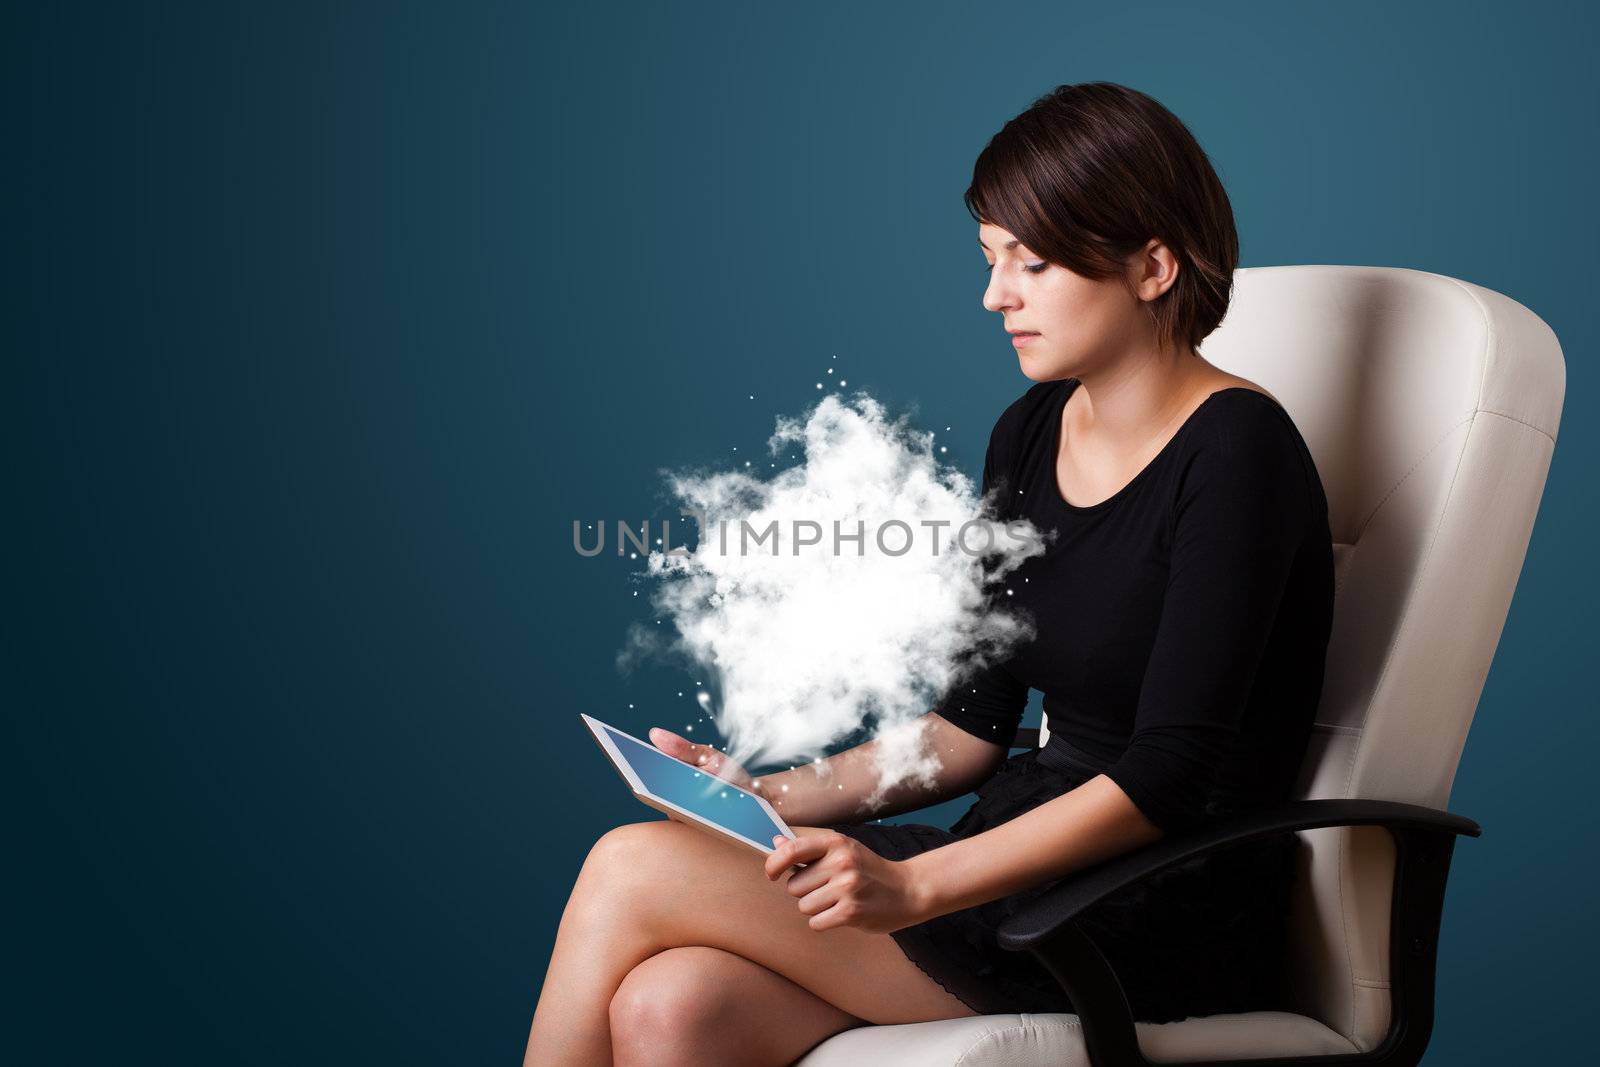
1181	624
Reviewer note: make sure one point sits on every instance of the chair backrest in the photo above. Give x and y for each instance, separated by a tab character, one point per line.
1430	406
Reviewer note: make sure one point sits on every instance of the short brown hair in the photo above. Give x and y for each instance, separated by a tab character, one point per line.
1089	173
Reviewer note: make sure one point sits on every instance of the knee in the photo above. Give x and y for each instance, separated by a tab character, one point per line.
624	871
664	1006
623	852
631	844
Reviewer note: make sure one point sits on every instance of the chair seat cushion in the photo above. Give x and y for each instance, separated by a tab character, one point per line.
1057	1041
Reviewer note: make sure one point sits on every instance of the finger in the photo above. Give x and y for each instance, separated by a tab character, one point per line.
825	888
802	850
806	881
819	900
722	767
681	748
774	863
666	740
781	857
841	914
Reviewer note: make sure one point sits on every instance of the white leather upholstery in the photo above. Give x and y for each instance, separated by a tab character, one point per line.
1055	1041
1431	407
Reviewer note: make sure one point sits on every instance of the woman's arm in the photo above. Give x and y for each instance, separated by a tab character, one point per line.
836	790
1078	829
843	883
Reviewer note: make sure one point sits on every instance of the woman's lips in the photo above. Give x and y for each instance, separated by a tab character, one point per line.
1020	339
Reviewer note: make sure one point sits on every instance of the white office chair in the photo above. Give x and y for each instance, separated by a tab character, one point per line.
1431	407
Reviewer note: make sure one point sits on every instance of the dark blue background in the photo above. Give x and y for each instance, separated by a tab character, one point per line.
323	322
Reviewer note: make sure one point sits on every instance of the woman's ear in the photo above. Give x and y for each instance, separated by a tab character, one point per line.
1154	269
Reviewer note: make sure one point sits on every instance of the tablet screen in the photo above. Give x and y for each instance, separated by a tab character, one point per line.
694	791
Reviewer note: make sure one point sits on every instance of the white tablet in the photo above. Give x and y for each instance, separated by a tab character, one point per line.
673	787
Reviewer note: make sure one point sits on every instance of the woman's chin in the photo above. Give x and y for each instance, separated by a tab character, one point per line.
1039	370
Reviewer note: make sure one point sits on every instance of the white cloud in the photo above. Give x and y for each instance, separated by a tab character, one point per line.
803	648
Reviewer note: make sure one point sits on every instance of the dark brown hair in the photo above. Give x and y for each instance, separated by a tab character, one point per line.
1089	173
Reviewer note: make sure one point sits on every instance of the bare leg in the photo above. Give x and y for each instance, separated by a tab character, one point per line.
699	1005
648	887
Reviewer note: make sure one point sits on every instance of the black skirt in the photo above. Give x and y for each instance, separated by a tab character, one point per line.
1204	937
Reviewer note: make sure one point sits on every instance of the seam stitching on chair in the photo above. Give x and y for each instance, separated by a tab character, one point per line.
1536	429
1372	983
1422	567
992	1036
1341	573
1420	459
1422	571
1490	338
1388	661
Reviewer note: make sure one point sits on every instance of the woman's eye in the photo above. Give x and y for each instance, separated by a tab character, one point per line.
1035	268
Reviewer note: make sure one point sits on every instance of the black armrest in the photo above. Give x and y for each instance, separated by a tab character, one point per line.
1424	839
1080	891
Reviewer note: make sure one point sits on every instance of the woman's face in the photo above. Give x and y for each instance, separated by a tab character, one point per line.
1074	325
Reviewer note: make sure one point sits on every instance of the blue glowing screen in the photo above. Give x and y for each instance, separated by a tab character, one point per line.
707	796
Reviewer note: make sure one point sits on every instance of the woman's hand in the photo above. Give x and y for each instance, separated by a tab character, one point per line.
703	757
845	883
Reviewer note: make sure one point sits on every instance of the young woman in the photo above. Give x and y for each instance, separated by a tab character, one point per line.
1182	616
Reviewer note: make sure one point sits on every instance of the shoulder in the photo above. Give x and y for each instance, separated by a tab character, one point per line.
1245	441
1239	418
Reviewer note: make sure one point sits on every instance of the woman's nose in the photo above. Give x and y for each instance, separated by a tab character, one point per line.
997	296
